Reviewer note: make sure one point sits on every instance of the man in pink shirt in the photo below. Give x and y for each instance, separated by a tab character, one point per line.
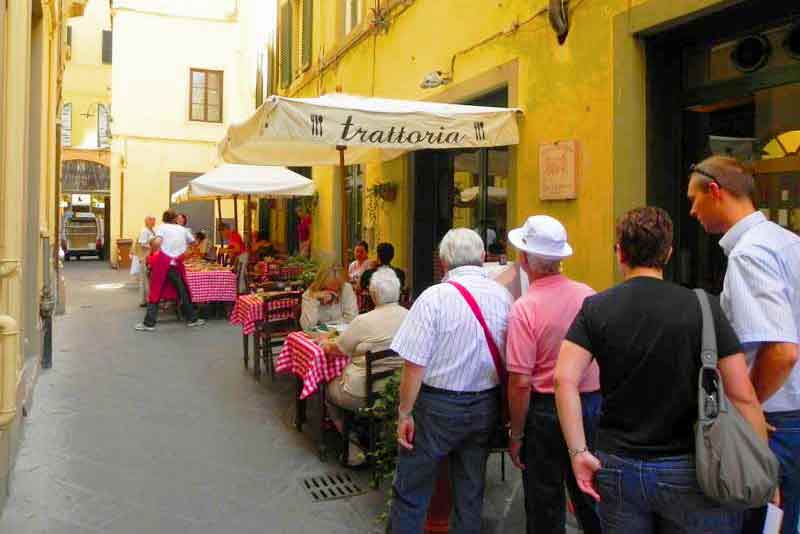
537	324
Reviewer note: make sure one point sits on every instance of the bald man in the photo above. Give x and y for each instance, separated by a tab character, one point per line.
761	298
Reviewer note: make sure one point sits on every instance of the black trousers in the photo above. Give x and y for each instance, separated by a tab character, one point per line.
184	300
548	468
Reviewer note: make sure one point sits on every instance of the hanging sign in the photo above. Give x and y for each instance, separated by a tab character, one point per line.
558	164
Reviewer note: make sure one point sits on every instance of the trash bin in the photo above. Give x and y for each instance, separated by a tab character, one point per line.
124	253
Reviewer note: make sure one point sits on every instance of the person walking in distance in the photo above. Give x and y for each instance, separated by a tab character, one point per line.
536	328
142	250
449	391
175	240
761	298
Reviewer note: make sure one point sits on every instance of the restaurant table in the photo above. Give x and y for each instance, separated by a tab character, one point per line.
249	311
218	285
305	359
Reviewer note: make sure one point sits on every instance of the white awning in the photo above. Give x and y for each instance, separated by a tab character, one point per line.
229	180
307	131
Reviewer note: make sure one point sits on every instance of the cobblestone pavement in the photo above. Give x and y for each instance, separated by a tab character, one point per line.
165	432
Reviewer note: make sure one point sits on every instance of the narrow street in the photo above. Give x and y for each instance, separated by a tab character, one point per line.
166	433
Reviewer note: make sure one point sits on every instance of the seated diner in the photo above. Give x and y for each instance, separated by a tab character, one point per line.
385	253
329	298
371	331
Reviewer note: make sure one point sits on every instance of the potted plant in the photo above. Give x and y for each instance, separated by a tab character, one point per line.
386	191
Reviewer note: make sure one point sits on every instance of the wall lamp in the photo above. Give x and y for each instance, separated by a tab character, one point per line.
435	79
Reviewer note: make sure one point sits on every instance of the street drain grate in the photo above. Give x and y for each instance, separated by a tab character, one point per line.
331	486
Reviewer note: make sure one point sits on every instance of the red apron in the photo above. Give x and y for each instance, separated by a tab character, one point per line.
160	286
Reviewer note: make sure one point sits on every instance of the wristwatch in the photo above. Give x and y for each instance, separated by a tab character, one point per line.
512	437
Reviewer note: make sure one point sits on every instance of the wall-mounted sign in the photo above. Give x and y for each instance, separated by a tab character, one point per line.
81	200
558	164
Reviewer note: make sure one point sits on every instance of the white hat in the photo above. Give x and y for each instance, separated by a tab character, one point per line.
542	236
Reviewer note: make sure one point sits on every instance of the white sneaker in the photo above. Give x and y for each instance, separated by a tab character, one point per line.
196	322
141	327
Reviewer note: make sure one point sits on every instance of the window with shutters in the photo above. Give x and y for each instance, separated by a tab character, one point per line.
68	49
103	133
285	45
307	33
107	42
66	124
352	11
205	102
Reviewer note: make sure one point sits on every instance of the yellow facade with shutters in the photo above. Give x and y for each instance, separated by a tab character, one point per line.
590	89
32	48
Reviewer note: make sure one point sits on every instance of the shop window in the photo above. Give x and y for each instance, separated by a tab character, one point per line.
480	196
205	102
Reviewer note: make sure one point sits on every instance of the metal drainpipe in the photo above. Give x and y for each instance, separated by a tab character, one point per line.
9	345
46	307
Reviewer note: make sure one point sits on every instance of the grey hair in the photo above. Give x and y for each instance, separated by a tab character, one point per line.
384	286
543	265
460	247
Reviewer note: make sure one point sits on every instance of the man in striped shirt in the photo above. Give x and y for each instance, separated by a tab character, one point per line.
761	297
449	394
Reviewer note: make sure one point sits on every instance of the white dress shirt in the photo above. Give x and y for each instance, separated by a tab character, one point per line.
761	294
175	239
441	333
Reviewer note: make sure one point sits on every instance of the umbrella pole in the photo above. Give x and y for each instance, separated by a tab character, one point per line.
345	236
236	212
219	219
248	222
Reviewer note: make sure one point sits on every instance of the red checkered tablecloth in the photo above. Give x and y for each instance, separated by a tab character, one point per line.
249	310
212	286
304	358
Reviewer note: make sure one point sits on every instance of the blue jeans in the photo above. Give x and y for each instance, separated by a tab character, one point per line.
457	426
785	443
548	468
658	496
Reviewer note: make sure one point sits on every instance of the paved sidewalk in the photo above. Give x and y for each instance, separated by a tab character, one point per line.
165	432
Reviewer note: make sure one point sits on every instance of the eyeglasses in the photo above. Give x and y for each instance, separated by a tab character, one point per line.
697	170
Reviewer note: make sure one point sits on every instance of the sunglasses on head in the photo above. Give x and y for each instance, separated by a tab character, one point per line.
695	169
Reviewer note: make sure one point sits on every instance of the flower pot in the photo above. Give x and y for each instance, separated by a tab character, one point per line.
388	193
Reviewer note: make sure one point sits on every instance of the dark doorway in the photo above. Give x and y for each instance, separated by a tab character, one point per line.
701	102
200	213
433	213
459	188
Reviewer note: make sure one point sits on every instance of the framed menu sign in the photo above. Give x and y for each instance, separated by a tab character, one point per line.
558	164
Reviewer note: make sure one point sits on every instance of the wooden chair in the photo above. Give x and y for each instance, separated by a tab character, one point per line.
281	317
373	377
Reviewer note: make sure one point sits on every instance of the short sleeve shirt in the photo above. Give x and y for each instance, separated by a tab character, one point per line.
441	334
536	328
175	239
646	336
761	294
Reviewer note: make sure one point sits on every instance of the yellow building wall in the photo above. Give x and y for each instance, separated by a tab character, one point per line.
87	81
566	92
155	46
30	87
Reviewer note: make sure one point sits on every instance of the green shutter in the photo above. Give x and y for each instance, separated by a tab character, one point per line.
308	31
107	44
286	44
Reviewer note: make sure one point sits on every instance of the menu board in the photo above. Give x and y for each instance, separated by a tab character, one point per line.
558	164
